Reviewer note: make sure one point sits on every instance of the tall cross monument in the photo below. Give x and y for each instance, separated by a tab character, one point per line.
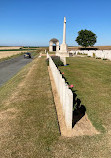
63	47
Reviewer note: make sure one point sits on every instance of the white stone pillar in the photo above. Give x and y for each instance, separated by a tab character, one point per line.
50	46
64	31
63	47
57	46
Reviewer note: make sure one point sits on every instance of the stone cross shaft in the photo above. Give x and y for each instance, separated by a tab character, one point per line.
64	31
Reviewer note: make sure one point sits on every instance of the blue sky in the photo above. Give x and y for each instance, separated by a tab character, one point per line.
34	23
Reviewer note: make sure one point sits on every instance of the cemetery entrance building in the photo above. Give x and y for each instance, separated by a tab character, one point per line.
53	45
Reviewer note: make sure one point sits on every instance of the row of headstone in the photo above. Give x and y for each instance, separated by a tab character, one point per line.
105	54
65	94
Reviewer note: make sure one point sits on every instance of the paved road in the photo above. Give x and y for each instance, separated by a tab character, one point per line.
10	67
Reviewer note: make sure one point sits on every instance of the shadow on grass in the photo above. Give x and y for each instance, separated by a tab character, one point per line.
78	109
66	65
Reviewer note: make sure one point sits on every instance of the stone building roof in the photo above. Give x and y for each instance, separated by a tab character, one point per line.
54	40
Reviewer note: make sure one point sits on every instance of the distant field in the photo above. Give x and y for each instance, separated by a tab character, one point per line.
21	48
10	51
7	48
98	47
6	54
18	49
32	48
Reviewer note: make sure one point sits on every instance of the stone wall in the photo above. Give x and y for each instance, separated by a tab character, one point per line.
105	54
65	94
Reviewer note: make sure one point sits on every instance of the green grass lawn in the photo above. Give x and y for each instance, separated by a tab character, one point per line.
92	81
28	120
52	53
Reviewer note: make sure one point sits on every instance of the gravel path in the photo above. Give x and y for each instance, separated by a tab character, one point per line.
10	67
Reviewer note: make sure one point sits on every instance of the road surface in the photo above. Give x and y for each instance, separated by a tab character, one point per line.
9	68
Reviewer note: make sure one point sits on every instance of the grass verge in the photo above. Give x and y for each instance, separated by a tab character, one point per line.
29	123
52	53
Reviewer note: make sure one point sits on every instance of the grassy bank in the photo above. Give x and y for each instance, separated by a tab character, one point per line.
28	113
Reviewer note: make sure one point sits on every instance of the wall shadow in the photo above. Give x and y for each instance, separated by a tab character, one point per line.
78	109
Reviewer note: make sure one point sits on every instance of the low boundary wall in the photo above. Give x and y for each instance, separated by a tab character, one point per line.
105	54
65	94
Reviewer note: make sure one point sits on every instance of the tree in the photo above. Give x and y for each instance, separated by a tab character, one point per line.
86	38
